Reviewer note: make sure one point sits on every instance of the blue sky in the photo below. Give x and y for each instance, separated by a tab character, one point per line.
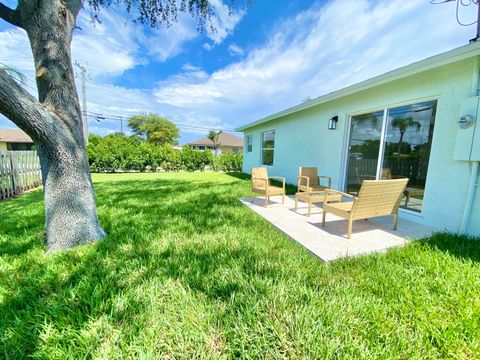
263	58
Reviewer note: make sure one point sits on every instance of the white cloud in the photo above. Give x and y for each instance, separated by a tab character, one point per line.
224	21
16	51
317	51
235	50
115	45
165	43
108	48
207	46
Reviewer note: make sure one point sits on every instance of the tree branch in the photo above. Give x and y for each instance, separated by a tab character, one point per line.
26	111
10	15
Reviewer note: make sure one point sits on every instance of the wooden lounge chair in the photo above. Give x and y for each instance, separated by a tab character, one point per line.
375	198
310	188
309	181
261	185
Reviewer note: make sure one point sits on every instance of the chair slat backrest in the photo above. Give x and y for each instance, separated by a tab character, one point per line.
312	174
379	197
259	173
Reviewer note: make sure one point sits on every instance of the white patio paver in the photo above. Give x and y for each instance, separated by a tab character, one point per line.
330	242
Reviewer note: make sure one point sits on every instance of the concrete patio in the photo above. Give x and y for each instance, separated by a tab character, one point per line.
330	242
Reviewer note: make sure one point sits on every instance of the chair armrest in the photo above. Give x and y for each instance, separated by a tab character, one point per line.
300	178
326	177
332	192
278	177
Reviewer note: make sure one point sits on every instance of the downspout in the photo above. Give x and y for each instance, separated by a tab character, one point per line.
472	186
470	197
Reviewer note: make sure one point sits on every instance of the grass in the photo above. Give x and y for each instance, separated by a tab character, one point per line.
188	272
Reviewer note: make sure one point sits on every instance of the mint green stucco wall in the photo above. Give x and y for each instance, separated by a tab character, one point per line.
302	139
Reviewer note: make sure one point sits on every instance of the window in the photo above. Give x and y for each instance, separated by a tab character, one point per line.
248	140
268	147
201	147
390	144
235	150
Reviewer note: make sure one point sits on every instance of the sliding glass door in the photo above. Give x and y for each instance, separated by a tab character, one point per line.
389	144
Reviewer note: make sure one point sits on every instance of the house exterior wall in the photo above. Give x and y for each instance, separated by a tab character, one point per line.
228	149
302	139
3	146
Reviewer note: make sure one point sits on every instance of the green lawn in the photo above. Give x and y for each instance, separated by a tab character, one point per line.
188	272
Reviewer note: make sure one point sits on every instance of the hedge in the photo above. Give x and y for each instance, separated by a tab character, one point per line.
118	153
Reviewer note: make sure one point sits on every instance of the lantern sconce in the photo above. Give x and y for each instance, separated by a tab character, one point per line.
332	123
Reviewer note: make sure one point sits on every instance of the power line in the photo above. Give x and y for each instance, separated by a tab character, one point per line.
464	3
100	116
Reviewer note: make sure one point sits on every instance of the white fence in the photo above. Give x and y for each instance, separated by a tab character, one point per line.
19	172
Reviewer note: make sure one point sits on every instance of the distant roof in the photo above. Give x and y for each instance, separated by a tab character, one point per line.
225	139
14	136
458	54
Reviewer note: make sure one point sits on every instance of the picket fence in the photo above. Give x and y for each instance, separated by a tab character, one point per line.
19	172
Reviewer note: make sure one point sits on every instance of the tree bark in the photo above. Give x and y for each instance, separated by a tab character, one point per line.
71	216
54	122
400	145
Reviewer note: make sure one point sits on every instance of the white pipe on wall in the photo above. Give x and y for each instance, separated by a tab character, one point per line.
472	186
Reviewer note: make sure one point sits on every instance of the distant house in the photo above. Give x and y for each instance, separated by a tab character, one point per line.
227	143
14	139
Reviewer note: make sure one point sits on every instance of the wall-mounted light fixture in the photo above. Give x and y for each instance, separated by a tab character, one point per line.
332	123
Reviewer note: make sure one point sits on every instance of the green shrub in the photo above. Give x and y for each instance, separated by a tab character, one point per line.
194	160
230	162
172	159
117	153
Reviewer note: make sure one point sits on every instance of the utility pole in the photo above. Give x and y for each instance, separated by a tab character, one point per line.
83	72
477	36
478	22
121	124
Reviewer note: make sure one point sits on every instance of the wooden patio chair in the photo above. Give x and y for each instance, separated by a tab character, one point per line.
309	180
375	198
261	185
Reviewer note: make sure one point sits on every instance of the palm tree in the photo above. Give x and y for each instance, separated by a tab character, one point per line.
214	137
361	119
402	124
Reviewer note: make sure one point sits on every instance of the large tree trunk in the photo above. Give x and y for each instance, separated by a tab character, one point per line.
55	122
70	210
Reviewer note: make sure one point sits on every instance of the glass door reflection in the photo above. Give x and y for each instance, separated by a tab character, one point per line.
363	150
408	138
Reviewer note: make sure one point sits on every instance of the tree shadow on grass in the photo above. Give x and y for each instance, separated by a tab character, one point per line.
239	175
290	189
460	246
154	206
69	291
52	300
97	278
23	218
